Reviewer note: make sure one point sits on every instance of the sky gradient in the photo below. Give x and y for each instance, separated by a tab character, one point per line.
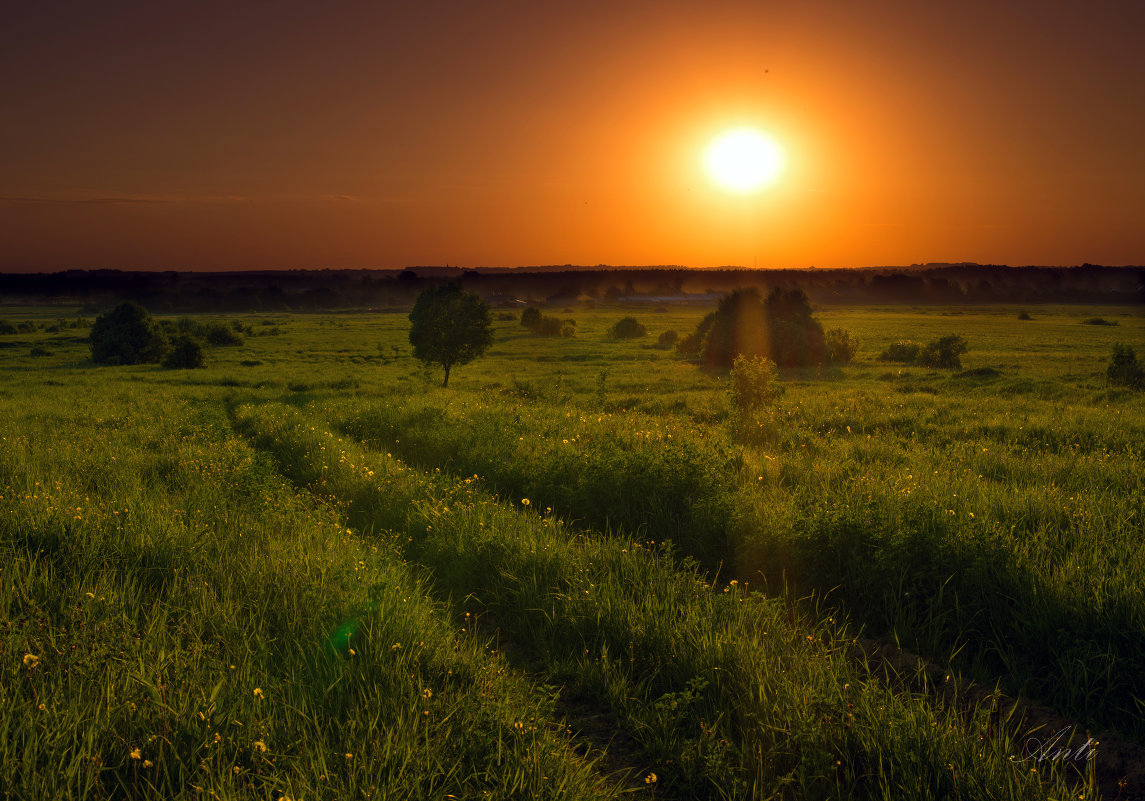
257	135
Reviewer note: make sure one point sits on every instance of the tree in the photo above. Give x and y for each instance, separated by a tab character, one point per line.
449	326
126	335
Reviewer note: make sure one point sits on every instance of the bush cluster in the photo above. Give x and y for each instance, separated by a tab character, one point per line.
215	332
942	352
129	335
543	325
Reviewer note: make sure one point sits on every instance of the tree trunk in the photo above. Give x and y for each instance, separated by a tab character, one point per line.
445	383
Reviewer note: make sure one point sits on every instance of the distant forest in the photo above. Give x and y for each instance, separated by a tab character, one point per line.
311	290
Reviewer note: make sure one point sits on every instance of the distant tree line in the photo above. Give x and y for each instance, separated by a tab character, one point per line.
311	290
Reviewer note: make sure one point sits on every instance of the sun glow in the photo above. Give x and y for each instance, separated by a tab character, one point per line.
743	160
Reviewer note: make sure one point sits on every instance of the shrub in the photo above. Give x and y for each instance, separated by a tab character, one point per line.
842	346
530	317
902	351
126	335
7	328
1124	370
754	383
506	317
186	353
1024	316
943	353
1098	321
627	328
668	339
27	327
568	330
39	350
688	345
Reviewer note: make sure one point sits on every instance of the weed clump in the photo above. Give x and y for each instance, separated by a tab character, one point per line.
1098	321
1124	370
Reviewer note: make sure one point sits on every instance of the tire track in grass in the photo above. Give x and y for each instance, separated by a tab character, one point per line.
726	696
212	633
959	593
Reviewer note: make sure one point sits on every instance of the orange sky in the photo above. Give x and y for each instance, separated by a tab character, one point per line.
203	135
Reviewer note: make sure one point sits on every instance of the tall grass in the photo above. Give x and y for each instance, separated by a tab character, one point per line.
1003	548
727	694
178	622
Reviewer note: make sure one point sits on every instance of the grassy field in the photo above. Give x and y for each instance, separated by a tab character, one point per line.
307	571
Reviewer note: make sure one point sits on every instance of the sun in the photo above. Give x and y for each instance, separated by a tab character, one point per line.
743	160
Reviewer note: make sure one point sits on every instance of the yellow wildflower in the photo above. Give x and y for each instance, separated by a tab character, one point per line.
31	660
136	753
258	693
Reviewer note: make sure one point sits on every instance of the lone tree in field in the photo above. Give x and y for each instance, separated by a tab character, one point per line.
449	326
126	335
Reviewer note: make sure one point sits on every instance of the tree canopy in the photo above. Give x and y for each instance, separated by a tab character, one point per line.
780	328
449	326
